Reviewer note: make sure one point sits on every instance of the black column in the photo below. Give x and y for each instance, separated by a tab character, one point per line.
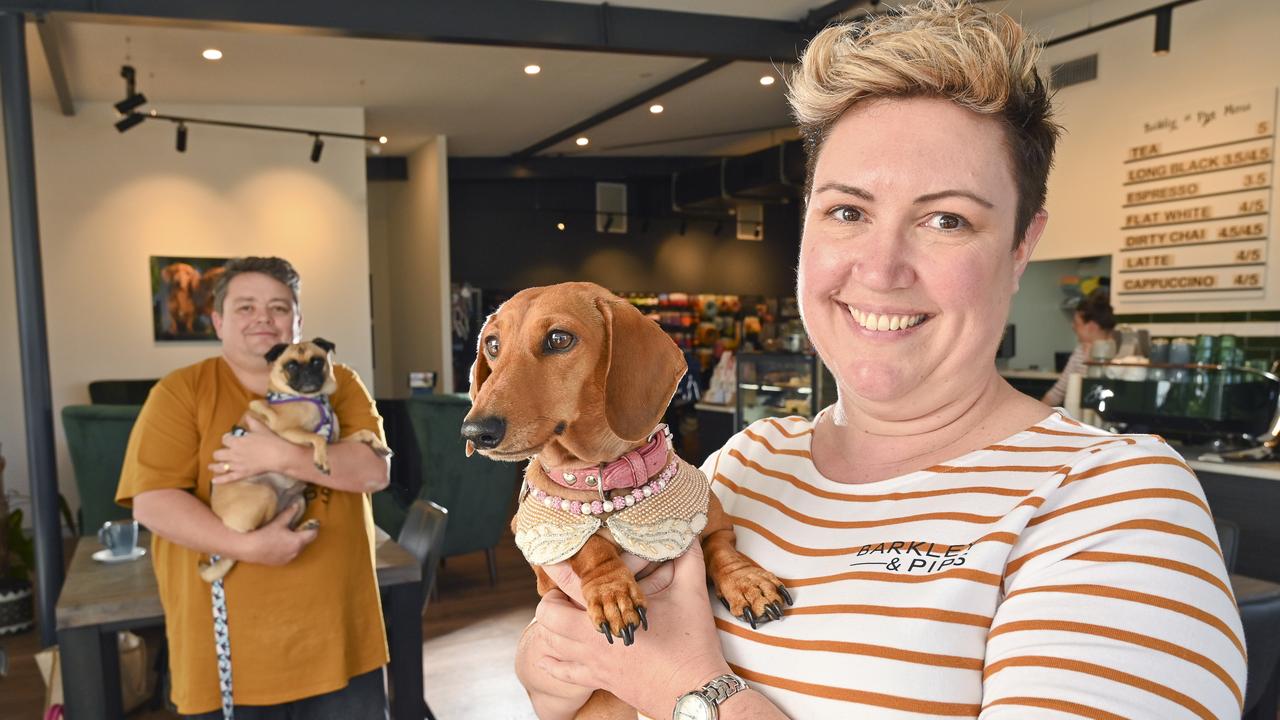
15	91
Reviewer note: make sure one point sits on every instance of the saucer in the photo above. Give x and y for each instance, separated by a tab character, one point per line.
104	555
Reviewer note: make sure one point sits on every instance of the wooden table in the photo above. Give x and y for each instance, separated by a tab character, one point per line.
98	600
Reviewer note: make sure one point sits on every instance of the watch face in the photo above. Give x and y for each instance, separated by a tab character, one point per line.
694	707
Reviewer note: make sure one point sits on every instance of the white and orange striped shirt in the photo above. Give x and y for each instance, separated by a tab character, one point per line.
1063	572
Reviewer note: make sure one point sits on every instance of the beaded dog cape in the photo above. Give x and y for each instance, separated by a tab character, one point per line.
658	527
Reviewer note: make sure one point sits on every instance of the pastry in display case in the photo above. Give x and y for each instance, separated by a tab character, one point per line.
776	385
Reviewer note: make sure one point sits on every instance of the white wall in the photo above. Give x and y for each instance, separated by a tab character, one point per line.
1043	327
109	201
414	260
1219	47
384	196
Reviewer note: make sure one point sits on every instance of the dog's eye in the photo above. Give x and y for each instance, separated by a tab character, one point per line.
317	362
491	346
559	340
291	365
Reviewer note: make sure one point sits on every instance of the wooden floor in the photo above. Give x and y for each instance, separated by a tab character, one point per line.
469	642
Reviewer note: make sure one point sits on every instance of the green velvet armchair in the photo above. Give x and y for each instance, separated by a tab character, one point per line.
96	438
477	492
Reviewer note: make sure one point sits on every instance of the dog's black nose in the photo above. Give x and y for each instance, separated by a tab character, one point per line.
486	432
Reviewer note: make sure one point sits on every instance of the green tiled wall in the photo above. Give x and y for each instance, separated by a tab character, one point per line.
1216	317
1263	348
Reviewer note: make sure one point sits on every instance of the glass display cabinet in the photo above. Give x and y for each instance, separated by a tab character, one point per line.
776	385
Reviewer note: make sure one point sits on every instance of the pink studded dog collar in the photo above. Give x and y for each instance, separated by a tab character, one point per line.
632	470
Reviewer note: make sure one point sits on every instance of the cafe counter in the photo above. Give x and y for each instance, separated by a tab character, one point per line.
1248	495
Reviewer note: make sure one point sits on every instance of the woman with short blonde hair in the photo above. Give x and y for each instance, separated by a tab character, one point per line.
954	548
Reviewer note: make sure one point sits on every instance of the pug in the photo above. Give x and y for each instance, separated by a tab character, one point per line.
297	409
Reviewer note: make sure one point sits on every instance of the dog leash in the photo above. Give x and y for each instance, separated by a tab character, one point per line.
221	635
222	645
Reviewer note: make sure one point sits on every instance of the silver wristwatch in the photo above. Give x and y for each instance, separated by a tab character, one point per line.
704	703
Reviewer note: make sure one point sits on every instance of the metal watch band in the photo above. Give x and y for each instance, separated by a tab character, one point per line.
722	688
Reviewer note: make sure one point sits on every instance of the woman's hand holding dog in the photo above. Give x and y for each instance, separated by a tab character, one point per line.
356	465
679	652
276	543
259	450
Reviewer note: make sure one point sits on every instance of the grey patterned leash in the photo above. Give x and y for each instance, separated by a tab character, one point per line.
221	636
222	645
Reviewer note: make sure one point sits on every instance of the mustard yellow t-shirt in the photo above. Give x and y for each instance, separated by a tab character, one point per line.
298	630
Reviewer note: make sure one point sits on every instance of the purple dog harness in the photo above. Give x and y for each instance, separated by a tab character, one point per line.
326	426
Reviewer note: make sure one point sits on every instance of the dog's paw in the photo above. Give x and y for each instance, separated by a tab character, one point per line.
615	605
323	467
753	594
312	524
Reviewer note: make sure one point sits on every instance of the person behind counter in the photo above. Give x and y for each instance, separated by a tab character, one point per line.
1093	320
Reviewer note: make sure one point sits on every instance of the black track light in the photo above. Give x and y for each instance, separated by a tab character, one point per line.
608	221
131	103
317	147
182	137
132	98
128	121
1164	29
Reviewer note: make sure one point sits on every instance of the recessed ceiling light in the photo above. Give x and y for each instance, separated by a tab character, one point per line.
382	139
532	69
766	80
212	54
560	226
655	109
582	141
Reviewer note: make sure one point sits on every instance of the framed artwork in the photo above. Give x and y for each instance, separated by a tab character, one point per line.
182	297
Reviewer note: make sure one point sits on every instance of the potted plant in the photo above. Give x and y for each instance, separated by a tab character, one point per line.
17	560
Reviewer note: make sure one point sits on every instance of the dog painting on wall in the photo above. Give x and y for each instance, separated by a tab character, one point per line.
182	297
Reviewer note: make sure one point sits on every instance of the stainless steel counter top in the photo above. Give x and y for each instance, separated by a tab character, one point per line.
1263	470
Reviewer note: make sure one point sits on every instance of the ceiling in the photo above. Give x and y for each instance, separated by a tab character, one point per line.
477	95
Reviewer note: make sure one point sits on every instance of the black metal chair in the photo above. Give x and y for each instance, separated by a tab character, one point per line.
423	536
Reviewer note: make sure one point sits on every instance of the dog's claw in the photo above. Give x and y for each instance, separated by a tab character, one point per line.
644	617
629	634
725	603
749	617
774	612
322	468
785	595
604	628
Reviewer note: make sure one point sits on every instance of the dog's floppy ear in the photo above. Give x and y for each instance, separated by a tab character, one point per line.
643	367
323	344
480	369
276	352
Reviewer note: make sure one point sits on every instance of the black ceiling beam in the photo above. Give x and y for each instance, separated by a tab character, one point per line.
1118	21
569	167
818	17
51	40
630	103
518	23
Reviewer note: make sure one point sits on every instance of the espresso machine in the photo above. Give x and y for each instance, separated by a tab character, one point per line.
1221	412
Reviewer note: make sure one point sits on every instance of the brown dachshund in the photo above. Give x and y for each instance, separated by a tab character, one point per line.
180	280
576	380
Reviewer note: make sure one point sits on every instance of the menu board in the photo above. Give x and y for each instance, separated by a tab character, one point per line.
1195	220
